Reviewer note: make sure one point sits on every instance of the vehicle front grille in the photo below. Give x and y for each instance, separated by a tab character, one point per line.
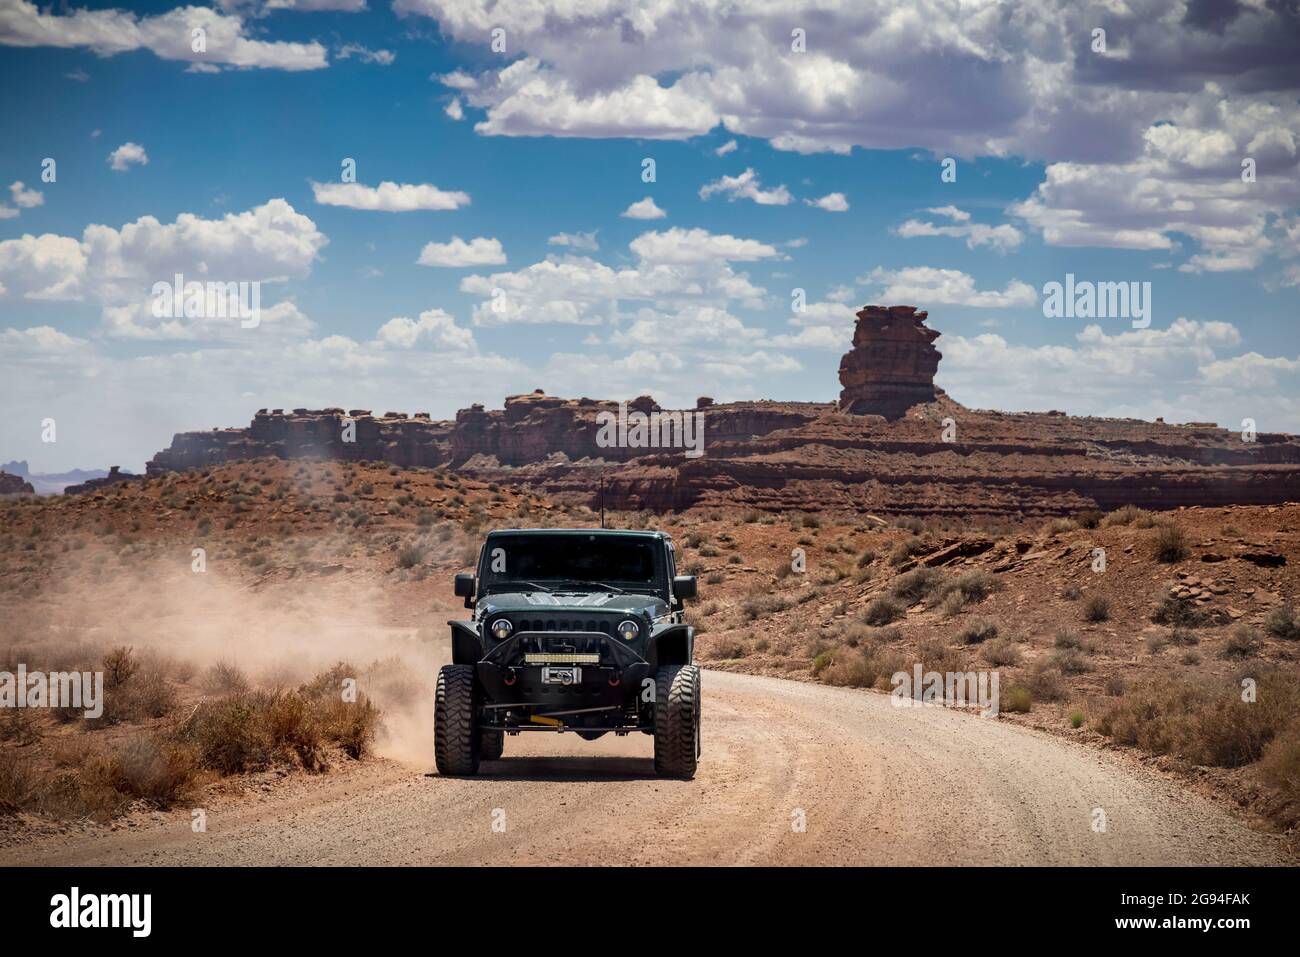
555	623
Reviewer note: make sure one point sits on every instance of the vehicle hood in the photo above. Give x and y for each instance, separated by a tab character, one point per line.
533	602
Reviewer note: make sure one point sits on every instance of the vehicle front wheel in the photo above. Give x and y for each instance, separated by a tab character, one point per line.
677	721
455	737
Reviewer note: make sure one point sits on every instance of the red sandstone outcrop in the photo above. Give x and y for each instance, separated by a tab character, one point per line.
804	455
14	485
410	441
114	476
530	428
892	364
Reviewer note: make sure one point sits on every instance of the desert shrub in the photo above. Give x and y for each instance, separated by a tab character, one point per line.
1282	622
952	605
1090	518
119	665
225	678
1156	644
1243	641
978	631
727	648
1067	638
863	667
973	586
1201	722
1127	515
145	695
1114	684
867	557
904	550
1076	719
1279	767
1044	682
1071	661
18	782
1096	608
410	556
1058	525
161	772
1177	612
762	605
882	611
916	584
1184	637
1000	652
1071	593
1171	544
1018	699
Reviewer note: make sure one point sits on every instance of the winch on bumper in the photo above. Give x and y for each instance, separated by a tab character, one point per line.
550	670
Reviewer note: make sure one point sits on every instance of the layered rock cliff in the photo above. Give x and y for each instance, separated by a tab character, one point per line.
894	444
14	484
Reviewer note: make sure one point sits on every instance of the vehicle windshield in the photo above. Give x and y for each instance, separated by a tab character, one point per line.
559	561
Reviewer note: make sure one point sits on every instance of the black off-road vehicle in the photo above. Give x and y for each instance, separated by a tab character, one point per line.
573	630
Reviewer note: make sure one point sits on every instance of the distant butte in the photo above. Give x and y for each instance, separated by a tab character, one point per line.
892	363
880	449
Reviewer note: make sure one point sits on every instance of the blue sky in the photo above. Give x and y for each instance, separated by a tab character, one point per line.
1067	161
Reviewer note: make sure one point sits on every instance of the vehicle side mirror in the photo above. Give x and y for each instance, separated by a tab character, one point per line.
465	587
684	587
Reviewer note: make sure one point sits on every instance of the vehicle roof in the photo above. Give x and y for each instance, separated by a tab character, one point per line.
608	532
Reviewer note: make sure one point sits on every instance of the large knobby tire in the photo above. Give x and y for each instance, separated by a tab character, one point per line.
491	745
455	739
677	721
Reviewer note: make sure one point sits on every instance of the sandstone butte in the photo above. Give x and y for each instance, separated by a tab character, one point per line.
879	449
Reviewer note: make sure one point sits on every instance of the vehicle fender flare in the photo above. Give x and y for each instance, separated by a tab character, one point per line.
466	647
671	644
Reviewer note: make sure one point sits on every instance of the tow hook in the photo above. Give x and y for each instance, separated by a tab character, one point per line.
510	677
615	681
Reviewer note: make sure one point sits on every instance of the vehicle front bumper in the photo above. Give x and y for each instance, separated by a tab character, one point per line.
512	671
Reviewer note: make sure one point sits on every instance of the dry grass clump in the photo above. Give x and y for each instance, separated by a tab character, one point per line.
901	553
1242	642
968	588
225	678
917	584
1178	612
1171	544
882	611
163	767
1001	652
1204	723
1282	622
762	605
863	667
1043	681
978	631
1096	608
1280	769
1131	515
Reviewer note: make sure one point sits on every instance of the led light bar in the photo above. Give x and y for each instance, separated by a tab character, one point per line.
561	657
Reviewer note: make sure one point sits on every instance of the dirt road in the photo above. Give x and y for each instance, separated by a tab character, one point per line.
791	774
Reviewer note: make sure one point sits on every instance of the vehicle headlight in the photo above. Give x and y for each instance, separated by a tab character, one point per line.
628	630
501	629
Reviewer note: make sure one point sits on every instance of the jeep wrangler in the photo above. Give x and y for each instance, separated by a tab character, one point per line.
576	630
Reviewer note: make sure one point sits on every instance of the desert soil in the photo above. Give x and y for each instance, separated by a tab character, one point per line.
872	783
